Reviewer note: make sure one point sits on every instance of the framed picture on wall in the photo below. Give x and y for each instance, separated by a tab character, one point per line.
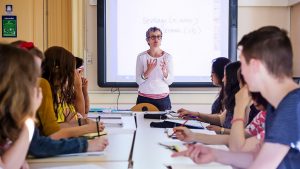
9	26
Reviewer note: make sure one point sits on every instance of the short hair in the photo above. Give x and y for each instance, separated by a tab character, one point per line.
152	29
18	78
272	46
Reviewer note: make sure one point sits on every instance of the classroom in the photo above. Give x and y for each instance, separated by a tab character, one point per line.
138	84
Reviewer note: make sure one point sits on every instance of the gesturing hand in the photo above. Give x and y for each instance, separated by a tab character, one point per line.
151	64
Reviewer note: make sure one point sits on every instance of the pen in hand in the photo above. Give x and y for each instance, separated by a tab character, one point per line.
97	123
182	125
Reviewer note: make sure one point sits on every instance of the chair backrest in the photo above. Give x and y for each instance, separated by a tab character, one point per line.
144	107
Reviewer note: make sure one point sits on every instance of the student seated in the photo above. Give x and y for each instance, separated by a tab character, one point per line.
267	60
217	75
47	121
66	84
80	69
42	146
231	86
253	134
19	99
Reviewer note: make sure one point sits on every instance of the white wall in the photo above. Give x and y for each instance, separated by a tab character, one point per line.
252	14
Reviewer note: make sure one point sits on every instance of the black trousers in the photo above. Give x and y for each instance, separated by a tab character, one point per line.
162	104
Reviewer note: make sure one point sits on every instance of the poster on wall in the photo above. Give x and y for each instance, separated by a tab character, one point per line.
9	26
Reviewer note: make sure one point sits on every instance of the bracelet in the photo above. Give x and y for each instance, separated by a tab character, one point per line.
222	130
238	119
143	77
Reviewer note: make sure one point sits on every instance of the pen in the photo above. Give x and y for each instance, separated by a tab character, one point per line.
97	123
179	126
190	143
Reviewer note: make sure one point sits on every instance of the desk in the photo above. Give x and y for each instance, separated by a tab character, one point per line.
119	150
148	154
80	165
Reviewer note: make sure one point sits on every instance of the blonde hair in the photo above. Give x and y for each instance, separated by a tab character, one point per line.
18	78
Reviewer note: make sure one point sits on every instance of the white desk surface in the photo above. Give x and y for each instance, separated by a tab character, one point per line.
118	150
148	154
80	165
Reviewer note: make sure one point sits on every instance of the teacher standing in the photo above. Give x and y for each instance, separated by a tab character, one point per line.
154	72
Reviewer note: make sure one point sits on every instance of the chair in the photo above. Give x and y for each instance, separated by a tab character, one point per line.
144	107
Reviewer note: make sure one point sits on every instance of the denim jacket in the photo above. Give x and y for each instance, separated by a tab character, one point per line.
42	146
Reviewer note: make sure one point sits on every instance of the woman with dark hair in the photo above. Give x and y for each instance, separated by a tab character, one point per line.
231	87
66	84
217	74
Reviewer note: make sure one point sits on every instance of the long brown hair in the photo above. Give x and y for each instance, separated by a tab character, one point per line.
58	68
18	78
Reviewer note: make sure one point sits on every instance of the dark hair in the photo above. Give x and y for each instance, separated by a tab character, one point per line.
217	67
18	78
272	46
241	77
259	99
232	85
79	62
152	29
58	69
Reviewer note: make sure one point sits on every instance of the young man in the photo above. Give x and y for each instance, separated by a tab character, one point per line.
266	59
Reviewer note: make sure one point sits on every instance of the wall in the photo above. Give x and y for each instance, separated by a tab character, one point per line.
30	20
252	15
295	36
59	23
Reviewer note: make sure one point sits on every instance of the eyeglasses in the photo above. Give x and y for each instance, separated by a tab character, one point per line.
154	37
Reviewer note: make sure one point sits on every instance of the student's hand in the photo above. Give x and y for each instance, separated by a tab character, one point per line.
184	134
77	80
215	128
242	100
151	64
93	126
184	112
199	153
97	144
164	68
37	98
28	128
84	85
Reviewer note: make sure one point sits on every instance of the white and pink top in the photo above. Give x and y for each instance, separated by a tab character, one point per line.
156	86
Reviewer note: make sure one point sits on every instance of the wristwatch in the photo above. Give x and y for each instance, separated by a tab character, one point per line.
222	130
